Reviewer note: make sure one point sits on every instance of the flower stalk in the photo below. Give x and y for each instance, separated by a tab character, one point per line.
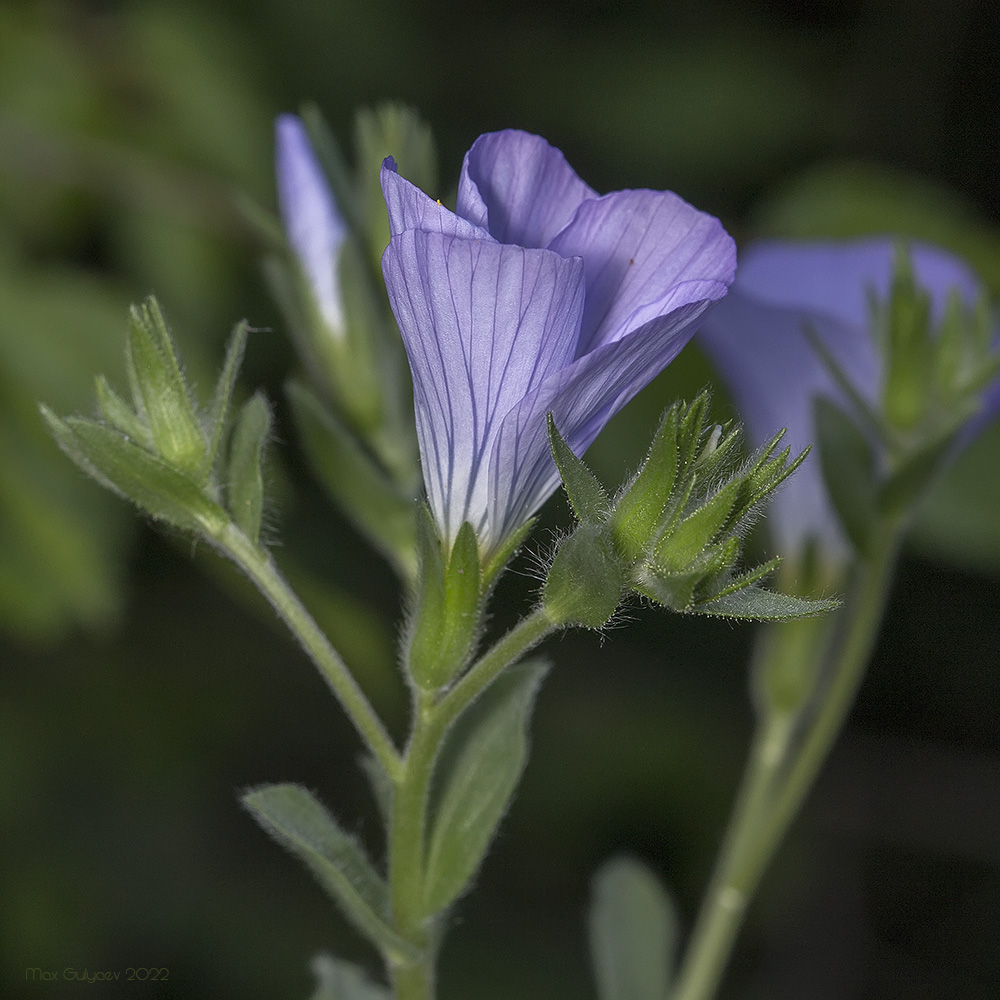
788	750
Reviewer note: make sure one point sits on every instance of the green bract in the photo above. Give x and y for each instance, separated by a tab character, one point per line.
446	617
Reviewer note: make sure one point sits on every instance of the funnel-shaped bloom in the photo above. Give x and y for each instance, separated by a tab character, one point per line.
312	222
757	340
537	296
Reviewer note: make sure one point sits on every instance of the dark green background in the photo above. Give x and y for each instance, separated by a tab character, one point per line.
139	693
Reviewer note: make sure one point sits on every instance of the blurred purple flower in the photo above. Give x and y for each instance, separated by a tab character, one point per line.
757	342
539	295
312	222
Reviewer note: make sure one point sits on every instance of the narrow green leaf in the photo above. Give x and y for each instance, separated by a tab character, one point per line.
587	496
148	481
859	405
638	509
907	484
300	823
462	591
334	164
909	347
949	350
675	508
746	579
480	765
681	588
224	390
364	492
756	604
339	980
720	445
633	926
118	413
848	464
245	491
682	546
426	622
162	391
674	590
368	361
689	431
769	471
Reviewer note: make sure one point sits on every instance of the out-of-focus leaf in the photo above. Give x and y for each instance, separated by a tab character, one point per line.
960	520
338	980
373	502
60	538
848	463
762	106
633	932
390	130
245	494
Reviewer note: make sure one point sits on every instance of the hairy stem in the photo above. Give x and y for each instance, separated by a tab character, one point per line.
261	569
408	829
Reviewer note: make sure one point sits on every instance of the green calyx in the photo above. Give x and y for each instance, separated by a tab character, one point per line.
586	580
445	624
674	532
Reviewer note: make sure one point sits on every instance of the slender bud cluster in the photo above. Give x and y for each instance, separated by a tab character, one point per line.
160	452
879	457
353	407
674	532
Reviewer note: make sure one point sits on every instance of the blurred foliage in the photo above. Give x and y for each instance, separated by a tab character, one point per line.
137	697
122	141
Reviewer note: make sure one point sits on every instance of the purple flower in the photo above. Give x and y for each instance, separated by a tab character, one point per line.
538	295
314	226
757	342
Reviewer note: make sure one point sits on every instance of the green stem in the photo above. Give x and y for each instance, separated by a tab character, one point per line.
261	569
783	765
408	828
731	886
852	646
524	636
407	834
